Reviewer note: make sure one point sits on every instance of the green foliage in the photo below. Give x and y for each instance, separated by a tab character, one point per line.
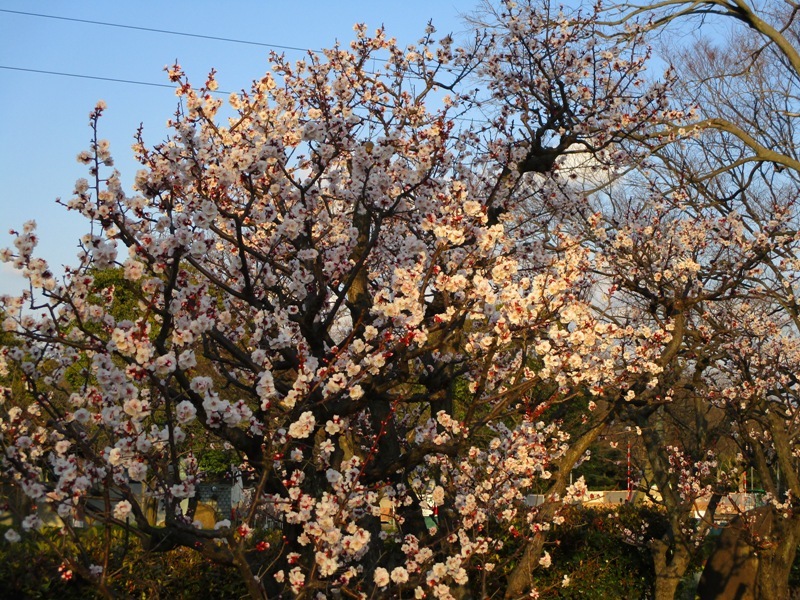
184	574
216	463
589	549
794	573
126	293
11	378
30	570
605	470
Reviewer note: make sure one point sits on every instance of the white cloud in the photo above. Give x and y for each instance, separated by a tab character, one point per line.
11	280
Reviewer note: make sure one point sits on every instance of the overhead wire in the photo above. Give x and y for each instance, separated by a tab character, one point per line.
152	30
162	31
96	77
137	28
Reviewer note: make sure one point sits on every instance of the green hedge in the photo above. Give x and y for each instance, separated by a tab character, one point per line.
588	548
30	569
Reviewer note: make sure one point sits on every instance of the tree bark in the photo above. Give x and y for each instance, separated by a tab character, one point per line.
775	561
669	570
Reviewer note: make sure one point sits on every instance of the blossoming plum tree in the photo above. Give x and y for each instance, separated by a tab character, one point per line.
357	292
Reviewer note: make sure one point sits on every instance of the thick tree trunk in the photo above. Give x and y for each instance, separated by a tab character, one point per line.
783	534
753	558
775	561
669	570
521	578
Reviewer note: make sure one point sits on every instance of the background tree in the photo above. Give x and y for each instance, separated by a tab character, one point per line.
740	164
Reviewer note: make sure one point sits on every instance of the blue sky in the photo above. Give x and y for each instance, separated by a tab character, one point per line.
45	117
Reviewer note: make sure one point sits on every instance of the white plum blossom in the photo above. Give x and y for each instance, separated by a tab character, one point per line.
12	536
381	577
399	575
122	509
303	427
137	471
545	560
185	412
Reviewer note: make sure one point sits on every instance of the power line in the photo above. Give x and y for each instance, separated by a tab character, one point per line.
151	30
76	75
97	78
167	32
162	31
